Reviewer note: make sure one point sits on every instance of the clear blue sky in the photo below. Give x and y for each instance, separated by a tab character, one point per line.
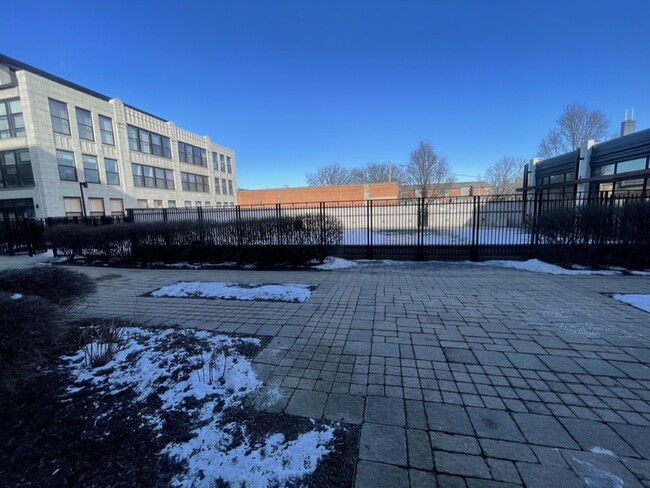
293	85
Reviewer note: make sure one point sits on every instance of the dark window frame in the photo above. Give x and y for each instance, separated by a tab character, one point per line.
195	183
112	177
83	127
12	129
187	153
75	176
143	139
90	171
103	132
53	117
23	176
140	178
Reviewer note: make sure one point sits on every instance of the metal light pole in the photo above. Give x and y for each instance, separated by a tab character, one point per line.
82	185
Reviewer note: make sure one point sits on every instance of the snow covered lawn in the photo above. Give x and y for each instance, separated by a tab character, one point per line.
206	379
638	301
232	291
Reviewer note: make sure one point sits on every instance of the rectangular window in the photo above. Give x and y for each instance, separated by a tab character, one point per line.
157	204
143	203
207	204
106	130
198	204
12	123
117	206
605	170
217	186
171	203
222	162
192	154
215	162
224	187
230	192
67	168
91	168
72	206
96	207
192	182
85	124
143	141
59	117
627	166
150	177
188	204
229	165
112	173
16	169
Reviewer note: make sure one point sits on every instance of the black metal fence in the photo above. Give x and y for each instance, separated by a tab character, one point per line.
21	235
479	227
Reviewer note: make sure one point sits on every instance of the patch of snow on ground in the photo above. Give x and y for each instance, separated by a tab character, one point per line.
638	301
290	292
537	266
596	477
16	296
158	363
332	263
602	450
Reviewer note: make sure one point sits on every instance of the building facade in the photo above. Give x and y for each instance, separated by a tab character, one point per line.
66	150
311	194
619	167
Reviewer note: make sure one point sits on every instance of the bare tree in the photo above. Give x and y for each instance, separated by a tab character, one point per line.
428	172
378	173
506	175
576	125
330	175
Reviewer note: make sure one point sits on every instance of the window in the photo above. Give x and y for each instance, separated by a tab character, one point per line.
117	206
192	182
72	206
106	130
627	166
112	173
16	169
85	124
215	163
143	141
150	177
171	203
606	170
192	154
143	203
12	123
157	204
67	169
217	186
198	204
224	187
207	204
91	168
229	164
96	207
59	116
230	192
188	204
222	162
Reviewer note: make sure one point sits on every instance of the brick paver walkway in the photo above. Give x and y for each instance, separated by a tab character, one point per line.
459	375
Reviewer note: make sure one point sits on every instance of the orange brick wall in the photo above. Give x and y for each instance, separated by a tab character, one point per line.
374	191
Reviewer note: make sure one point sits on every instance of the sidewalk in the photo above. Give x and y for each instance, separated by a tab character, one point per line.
460	375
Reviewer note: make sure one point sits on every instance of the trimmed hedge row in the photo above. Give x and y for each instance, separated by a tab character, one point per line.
271	240
596	234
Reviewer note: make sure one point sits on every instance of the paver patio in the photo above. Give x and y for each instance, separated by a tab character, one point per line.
459	375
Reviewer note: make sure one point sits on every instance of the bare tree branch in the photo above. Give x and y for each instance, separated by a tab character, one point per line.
428	172
330	175
576	125
378	173
506	175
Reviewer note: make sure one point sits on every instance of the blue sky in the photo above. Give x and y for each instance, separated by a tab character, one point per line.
293	85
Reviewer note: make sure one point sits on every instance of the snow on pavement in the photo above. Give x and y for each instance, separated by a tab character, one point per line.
332	263
290	292
638	301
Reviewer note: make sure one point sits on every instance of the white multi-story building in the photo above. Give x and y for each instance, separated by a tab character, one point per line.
66	150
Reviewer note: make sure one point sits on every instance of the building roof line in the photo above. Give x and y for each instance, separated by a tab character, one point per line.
19	65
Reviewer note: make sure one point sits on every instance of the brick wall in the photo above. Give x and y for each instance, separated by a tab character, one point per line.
374	191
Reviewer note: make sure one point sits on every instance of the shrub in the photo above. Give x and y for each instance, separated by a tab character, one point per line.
59	285
100	343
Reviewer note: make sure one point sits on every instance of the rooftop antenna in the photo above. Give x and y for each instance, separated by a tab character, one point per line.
625	114
632	118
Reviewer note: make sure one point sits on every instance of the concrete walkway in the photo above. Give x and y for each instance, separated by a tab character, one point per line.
459	375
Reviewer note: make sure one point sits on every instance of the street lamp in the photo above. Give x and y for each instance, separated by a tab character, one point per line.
82	185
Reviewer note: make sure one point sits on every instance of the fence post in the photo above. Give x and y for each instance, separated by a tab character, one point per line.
278	222
238	226
164	214
199	213
476	222
9	236
421	224
322	225
369	249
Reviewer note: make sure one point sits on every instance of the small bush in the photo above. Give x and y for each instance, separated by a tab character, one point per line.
101	343
59	285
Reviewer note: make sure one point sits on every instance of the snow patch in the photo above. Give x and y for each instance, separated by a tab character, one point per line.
332	263
160	363
284	293
537	266
16	296
596	477
638	301
602	450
